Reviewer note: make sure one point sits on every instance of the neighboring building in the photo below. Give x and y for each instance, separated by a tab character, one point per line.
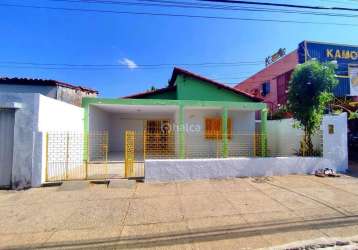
271	83
29	108
58	90
25	118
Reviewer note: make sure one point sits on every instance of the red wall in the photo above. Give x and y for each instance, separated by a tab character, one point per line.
271	73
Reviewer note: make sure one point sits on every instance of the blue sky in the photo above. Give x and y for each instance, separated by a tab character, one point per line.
69	37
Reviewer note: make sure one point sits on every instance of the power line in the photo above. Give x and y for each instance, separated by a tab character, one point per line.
102	69
281	5
186	5
123	66
176	15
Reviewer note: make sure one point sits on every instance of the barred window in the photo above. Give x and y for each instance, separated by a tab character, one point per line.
213	127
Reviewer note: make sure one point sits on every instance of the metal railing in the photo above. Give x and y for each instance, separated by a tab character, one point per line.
71	155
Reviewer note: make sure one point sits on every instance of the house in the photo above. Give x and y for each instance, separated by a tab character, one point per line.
29	108
271	83
193	117
194	128
55	89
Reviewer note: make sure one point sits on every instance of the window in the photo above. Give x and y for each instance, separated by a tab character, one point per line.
213	128
265	88
282	87
330	129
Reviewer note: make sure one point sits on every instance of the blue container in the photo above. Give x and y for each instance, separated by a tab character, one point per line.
345	55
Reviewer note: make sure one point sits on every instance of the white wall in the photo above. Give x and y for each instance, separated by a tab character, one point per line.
335	156
120	123
99	120
34	116
284	140
192	169
58	119
59	116
335	146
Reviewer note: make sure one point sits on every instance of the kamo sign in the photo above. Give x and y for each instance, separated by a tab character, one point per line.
342	54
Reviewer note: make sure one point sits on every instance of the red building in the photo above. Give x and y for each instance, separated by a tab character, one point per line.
271	83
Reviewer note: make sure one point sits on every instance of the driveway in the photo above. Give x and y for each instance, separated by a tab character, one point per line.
244	213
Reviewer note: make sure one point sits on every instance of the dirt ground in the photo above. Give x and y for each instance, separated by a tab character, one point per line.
243	213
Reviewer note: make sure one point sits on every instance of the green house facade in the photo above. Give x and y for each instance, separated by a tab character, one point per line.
193	117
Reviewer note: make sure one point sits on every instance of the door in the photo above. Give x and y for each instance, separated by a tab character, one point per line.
7	119
158	138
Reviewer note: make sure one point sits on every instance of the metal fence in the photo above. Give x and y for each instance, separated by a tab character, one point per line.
141	146
71	156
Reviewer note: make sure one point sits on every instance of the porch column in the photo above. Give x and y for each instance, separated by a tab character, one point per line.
263	127
181	132
224	117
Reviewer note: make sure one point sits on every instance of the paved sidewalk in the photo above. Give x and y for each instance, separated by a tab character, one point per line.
210	214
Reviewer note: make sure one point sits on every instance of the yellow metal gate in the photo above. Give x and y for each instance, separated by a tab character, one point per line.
75	156
146	145
129	153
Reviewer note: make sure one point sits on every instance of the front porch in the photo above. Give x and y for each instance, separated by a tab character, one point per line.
177	130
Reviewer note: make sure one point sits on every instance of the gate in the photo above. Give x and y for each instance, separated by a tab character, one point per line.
76	156
129	154
146	145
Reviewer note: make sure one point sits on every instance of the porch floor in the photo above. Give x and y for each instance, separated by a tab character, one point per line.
119	156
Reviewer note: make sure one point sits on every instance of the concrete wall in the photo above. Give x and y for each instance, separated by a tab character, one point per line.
59	116
284	140
50	91
64	123
73	96
69	95
98	119
36	114
120	123
334	156
178	170
335	146
25	135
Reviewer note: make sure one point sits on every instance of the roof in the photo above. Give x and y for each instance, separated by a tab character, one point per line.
44	82
329	43
179	71
150	92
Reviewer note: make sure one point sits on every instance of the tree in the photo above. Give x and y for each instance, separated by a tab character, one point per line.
309	93
152	88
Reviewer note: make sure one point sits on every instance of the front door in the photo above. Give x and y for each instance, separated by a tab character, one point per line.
158	138
7	119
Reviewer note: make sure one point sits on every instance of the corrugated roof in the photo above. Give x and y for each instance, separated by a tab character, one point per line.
43	82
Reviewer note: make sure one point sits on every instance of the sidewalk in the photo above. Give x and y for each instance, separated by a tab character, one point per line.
210	214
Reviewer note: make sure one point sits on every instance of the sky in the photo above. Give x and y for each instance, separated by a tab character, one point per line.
73	46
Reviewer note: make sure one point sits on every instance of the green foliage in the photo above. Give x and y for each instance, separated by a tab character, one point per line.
353	115
152	88
281	113
309	93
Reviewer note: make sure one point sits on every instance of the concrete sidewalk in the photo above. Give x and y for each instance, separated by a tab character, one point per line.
210	214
